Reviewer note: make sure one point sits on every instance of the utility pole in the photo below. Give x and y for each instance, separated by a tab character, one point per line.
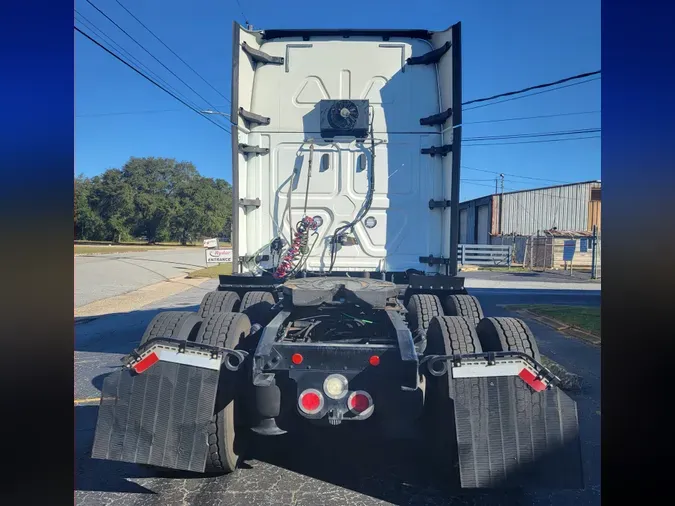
501	200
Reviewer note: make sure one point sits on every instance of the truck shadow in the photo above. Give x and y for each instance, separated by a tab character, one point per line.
393	472
100	475
117	332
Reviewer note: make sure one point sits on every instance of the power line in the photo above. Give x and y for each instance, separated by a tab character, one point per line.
514	175
149	79
242	14
531	142
172	51
530	88
97	115
530	117
532	94
153	56
533	134
101	33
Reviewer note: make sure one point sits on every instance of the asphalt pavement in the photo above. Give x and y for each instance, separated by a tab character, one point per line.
311	470
101	276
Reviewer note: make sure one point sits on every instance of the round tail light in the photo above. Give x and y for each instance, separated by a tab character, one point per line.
360	403
310	401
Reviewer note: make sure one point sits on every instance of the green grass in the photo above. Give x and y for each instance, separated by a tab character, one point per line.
114	248
585	318
212	272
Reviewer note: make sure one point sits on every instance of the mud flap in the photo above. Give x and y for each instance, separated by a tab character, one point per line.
157	418
508	435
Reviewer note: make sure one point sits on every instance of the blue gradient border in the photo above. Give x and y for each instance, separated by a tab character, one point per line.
638	149
36	199
638	255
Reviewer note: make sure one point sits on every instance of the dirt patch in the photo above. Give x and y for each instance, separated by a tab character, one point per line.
138	298
569	381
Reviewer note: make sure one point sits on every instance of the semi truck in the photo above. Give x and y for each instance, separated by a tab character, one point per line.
344	306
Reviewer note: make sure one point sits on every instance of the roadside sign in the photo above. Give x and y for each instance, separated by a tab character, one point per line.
568	250
217	256
583	245
211	243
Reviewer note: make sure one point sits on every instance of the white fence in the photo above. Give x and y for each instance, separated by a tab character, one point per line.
484	254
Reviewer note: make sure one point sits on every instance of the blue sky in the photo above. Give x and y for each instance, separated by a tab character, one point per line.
507	45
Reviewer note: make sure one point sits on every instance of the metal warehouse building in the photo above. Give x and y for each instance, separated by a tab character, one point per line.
570	207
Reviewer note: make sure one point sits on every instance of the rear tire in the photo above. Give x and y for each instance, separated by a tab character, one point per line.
463	305
256	305
447	335
225	330
219	302
421	309
507	334
172	324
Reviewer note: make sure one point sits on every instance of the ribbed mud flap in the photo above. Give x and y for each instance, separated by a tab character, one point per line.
158	418
510	436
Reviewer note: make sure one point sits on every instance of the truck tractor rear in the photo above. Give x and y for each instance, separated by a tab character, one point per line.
344	306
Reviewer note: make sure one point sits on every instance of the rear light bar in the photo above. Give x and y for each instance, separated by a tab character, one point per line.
183	352
493	364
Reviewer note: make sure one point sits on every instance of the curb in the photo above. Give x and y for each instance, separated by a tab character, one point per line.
563	328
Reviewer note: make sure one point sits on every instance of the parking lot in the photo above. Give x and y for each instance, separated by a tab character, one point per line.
312	469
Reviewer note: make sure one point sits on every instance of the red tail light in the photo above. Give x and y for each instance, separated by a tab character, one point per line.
296	359
146	363
360	403
310	401
374	360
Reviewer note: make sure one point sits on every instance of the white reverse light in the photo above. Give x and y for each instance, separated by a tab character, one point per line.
335	386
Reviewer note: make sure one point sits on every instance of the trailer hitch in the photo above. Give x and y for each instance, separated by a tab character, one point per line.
499	363
183	352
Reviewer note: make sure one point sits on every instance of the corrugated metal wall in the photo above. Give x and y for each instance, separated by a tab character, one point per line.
565	207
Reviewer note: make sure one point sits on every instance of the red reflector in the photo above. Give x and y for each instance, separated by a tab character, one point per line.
146	363
296	358
359	403
528	377
311	401
374	360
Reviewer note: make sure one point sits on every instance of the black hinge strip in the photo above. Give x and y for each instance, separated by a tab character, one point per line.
258	259
252	117
260	57
245	148
436	119
431	57
250	203
437	150
433	204
432	260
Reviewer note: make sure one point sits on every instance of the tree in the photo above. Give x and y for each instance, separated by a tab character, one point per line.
158	199
88	224
112	197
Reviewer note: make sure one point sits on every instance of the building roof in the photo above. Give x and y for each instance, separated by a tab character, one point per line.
536	189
